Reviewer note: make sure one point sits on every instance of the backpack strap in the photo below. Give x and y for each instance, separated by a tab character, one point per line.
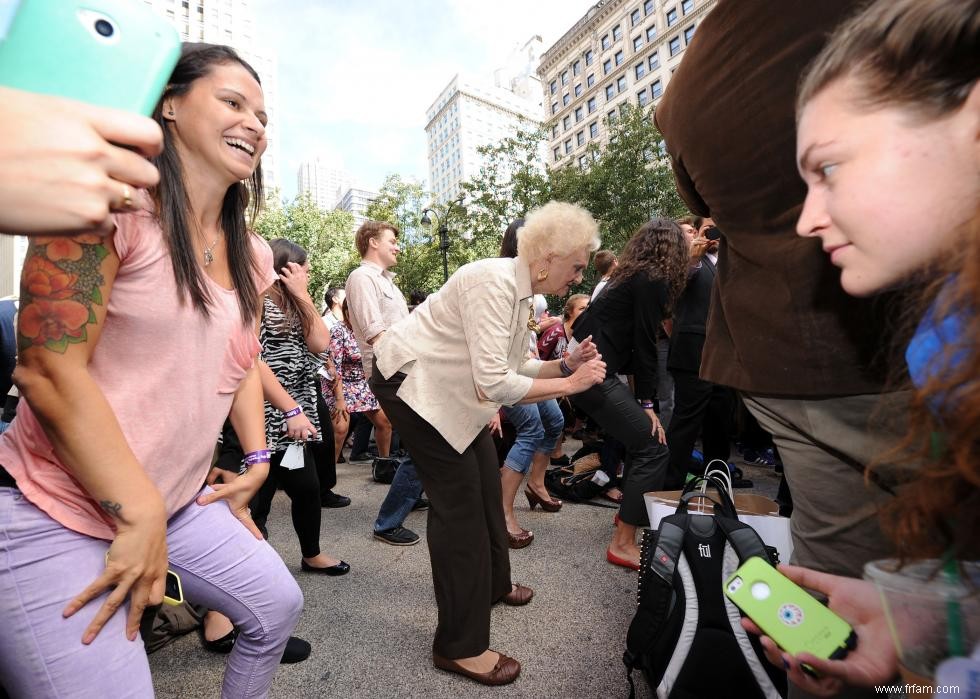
743	538
658	569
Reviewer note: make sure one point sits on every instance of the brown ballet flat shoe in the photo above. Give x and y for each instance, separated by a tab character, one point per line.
519	541
518	596
534	499
504	672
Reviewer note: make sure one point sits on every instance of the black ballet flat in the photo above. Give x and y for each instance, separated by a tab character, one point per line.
341	568
219	645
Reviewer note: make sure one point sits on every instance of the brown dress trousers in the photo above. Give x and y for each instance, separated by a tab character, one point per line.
466	533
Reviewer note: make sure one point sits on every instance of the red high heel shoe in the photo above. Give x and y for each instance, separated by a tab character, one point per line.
534	499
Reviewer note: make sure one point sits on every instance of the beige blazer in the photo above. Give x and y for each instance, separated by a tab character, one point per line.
465	350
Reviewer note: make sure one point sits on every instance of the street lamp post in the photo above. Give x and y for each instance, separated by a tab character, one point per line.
443	232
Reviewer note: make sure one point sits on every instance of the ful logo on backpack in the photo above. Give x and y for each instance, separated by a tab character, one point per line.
704	550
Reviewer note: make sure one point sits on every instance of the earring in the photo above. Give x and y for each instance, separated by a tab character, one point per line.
542	275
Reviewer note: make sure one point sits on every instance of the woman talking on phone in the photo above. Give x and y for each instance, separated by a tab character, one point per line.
134	348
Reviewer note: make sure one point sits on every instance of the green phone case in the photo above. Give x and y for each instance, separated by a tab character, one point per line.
51	47
790	615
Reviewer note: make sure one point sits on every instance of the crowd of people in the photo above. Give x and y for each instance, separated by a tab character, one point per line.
174	370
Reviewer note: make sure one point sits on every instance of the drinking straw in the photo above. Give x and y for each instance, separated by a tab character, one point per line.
954	628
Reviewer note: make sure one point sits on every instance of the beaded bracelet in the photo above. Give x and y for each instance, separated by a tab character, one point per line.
298	410
565	369
260	456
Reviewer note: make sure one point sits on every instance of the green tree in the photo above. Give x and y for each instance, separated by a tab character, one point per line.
626	183
327	237
510	183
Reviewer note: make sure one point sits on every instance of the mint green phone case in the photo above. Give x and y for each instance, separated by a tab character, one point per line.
52	47
789	615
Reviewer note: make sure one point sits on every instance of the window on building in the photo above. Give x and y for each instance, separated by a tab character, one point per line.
656	89
590	105
610	92
621	83
557	154
583	161
564	77
566	122
688	34
554	107
672	17
648	7
578	89
554	131
580	138
687	6
642	97
594	129
653	62
565	99
568	146
606	66
617	32
578	114
605	42
639	70
651	33
588	57
612	116
634	18
576	67
554	86
637	43
619	57
590	80
675	46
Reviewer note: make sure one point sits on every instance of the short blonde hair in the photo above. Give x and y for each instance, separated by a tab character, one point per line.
557	228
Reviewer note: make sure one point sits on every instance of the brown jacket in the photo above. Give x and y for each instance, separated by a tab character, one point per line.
780	324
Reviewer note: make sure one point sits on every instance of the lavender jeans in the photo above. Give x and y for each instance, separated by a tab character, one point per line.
221	565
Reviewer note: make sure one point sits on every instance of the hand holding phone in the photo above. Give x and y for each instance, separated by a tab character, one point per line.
873	661
60	170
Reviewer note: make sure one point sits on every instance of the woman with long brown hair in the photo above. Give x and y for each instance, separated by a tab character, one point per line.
134	348
624	321
891	167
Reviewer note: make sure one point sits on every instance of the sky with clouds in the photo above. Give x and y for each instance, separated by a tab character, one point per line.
356	78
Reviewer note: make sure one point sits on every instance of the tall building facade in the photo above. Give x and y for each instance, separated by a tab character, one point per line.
324	183
471	112
232	22
356	201
621	51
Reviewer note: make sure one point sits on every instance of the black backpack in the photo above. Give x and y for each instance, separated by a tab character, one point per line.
686	637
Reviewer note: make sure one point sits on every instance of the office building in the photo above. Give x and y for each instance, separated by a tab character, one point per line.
620	51
356	201
324	183
471	112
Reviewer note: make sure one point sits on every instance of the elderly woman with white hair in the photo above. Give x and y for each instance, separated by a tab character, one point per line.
441	374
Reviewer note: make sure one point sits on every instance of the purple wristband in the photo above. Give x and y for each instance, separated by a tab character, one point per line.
565	369
298	410
261	456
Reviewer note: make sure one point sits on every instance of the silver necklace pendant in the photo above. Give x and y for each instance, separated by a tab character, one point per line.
208	257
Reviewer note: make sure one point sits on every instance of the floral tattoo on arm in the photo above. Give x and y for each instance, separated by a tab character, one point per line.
60	287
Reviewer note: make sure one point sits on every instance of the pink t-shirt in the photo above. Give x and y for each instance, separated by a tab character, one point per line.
168	373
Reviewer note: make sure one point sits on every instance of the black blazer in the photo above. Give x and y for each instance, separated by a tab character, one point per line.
623	321
690	320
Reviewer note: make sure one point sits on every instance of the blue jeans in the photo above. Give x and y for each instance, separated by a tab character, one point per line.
538	427
403	493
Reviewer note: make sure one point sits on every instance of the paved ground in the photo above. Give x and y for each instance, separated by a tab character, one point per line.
371	630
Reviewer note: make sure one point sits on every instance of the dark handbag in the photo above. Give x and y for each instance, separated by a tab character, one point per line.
383	470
